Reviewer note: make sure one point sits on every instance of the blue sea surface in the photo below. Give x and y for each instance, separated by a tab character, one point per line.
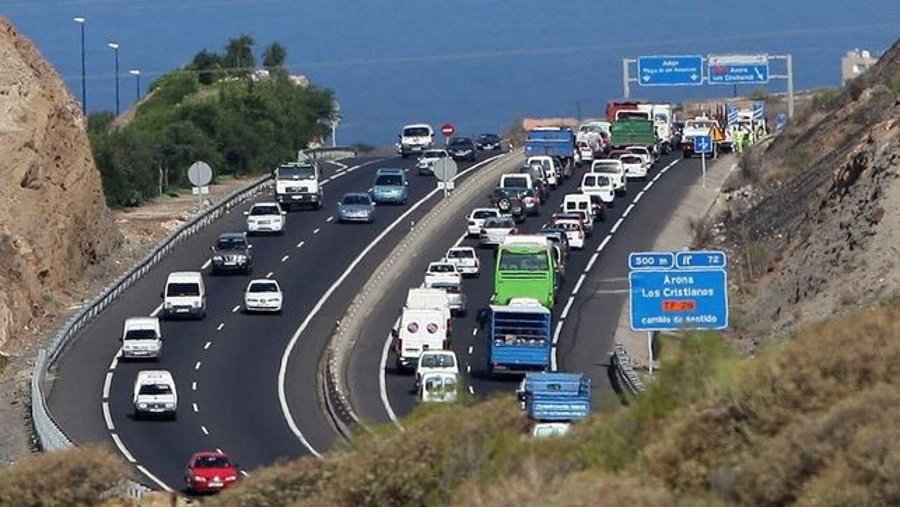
477	64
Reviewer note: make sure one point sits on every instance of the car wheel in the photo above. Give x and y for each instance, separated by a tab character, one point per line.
504	205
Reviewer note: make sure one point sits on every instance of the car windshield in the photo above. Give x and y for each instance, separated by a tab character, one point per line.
568	226
438	361
212	462
532	261
355	199
631	159
606	167
461	142
264	210
263	287
140	334
484	213
182	289
442	268
155	389
488	137
230	243
415	132
389	180
296	172
461	254
499	223
435	154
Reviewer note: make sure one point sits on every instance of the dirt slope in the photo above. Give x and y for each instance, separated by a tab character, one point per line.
53	219
814	224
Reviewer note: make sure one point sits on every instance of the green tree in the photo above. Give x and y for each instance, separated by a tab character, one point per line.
274	56
239	59
208	66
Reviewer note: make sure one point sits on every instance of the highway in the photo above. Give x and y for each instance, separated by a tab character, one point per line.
584	339
226	367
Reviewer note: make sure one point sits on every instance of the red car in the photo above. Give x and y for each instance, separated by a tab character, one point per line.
210	471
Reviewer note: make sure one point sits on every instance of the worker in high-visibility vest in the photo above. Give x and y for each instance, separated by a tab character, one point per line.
739	140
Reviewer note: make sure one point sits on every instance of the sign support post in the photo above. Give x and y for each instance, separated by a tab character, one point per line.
650	350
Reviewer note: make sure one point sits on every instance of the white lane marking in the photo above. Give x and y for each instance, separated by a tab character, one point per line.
193	386
206	346
153	478
471	389
206	264
236	308
270	274
329	219
615	227
470	349
221	325
204	430
282	369
627	210
565	312
591	261
638	196
316	230
108	417
286	257
474	331
244	473
195	407
578	284
382	380
107	382
197	366
300	244
156	311
603	244
219	450
115	360
460	239
122	449
468	368
647	187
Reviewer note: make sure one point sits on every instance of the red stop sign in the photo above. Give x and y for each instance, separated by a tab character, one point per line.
447	129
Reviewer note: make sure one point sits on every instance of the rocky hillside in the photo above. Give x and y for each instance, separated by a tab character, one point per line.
813	222
54	222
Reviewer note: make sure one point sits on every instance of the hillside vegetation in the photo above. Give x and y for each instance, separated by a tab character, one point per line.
811	421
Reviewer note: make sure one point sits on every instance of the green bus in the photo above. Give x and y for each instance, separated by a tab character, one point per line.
525	269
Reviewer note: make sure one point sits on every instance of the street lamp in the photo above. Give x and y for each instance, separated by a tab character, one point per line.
115	47
137	89
81	21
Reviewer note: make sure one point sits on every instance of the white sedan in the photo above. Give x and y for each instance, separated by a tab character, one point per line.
263	295
635	166
465	258
265	217
441	271
475	220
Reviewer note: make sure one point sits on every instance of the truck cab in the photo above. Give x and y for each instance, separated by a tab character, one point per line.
298	184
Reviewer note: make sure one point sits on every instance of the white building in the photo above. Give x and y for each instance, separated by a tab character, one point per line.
855	63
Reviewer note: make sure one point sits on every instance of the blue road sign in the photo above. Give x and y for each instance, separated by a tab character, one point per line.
780	121
678	70
758	110
738	73
700	259
651	260
732	113
703	144
667	300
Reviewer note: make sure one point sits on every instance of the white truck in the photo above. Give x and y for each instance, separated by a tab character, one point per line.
141	338
298	184
662	121
418	330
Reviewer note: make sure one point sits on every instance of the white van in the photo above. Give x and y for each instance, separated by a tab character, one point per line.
418	330
415	138
598	184
432	361
615	168
141	338
184	295
579	203
439	387
548	166
155	394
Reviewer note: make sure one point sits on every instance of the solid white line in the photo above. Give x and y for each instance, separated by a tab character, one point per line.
156	311
329	219
300	244
627	210
317	229
204	430
591	261
471	389
115	360
236	308
603	244
197	366
578	284
108	417
193	386
154	478
282	369
648	185
122	449
471	348
196	408
565	312
615	227
205	347
382	382
221	325
106	384
206	264
286	257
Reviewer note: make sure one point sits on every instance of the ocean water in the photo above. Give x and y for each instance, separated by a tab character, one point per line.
477	64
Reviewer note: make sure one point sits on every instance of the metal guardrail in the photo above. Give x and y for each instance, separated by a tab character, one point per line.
50	436
624	369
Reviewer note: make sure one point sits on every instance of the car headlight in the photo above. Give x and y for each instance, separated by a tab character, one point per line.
195	304
198	478
168	304
231	478
170	405
217	258
142	405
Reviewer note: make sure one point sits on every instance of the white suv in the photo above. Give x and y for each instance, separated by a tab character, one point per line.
155	394
265	217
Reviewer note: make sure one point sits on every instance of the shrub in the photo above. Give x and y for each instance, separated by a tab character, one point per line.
827	100
76	477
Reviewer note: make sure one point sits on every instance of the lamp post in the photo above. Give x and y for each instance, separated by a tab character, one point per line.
137	89
115	47
80	21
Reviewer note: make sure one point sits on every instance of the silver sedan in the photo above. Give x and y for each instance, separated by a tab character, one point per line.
356	207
